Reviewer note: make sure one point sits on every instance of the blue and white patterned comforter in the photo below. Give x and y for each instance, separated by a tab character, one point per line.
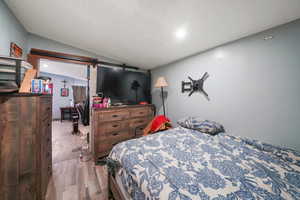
186	164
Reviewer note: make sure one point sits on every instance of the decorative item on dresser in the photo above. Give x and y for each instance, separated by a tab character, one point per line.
25	146
116	124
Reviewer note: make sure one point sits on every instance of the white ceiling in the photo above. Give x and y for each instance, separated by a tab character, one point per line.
142	32
64	69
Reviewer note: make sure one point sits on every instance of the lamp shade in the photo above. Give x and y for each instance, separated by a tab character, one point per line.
161	82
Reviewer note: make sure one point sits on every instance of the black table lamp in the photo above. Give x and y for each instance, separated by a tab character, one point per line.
161	83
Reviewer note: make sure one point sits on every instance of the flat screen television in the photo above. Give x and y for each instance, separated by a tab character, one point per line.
124	86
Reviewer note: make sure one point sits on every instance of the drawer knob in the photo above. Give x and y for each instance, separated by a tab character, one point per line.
141	121
116	125
115	116
115	134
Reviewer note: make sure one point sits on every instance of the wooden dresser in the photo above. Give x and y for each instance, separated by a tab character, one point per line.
25	146
116	124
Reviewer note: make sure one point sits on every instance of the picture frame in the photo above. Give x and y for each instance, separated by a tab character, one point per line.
15	50
64	92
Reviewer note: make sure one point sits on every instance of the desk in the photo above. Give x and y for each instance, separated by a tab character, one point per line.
66	113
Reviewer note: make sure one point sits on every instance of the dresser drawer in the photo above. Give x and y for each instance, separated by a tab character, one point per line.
46	99
46	111
139	131
45	179
115	136
113	115
46	107
27	148
107	143
113	126
9	109
9	192
143	121
46	142
9	117
46	123
48	139
140	112
46	159
46	130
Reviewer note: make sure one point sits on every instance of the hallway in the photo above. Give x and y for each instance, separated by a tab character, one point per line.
72	178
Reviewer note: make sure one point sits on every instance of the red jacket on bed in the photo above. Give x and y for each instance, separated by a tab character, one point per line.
159	123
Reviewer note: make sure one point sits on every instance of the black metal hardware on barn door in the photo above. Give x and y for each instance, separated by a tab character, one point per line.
92	61
86	120
195	85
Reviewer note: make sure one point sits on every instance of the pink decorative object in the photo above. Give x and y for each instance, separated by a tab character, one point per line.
98	102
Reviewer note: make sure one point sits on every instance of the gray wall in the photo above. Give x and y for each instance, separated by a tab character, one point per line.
59	101
253	86
10	31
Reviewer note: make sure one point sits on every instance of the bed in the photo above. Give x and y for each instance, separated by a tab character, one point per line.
186	164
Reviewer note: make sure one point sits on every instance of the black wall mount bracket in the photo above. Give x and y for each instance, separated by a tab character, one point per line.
195	85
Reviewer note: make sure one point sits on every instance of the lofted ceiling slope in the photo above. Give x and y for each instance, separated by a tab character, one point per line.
147	33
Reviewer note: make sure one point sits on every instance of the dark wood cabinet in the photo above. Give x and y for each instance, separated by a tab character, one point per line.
25	146
116	124
45	143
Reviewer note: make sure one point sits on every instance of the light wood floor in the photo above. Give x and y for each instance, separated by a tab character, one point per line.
72	178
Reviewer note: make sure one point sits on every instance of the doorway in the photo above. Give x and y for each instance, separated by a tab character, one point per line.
70	86
70	91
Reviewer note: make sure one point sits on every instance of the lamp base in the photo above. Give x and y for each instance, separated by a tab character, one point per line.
163	101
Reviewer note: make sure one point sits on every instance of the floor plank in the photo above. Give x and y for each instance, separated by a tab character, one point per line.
72	178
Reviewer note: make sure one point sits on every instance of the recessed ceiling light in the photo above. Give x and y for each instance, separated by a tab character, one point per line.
181	33
45	65
268	37
219	54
